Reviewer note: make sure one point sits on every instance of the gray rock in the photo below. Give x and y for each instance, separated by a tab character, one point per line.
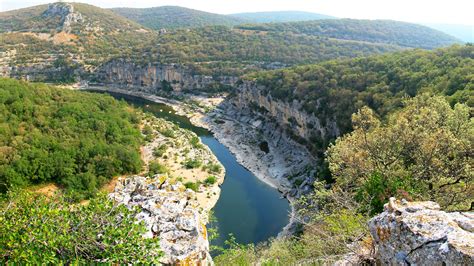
168	216
409	233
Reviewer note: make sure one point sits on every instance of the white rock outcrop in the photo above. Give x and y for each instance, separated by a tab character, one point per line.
169	215
419	233
66	13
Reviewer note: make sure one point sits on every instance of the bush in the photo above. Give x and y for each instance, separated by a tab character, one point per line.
195	142
192	185
160	150
210	180
421	149
168	132
213	168
147	130
38	230
192	163
156	168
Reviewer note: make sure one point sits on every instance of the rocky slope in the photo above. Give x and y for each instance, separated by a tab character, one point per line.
411	233
288	116
174	199
169	213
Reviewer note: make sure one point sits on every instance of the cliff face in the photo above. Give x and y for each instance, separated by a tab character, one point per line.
410	233
288	116
154	77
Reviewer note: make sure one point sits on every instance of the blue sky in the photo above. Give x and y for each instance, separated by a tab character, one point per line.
430	11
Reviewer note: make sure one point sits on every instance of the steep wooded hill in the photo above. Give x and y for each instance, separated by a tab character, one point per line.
332	91
378	31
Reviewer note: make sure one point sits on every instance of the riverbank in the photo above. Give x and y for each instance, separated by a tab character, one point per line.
239	137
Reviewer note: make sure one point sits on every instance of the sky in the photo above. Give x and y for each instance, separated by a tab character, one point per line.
422	11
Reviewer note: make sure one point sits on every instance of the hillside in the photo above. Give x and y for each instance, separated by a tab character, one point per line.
75	139
88	34
83	41
378	31
219	49
75	18
334	90
280	16
175	17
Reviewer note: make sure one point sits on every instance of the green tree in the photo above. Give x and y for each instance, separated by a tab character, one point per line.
425	149
37	230
76	139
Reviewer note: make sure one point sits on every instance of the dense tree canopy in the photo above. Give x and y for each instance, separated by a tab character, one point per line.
334	90
39	230
375	31
425	149
103	35
76	139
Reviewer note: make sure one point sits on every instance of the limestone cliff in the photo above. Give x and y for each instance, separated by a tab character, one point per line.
411	233
289	116
152	78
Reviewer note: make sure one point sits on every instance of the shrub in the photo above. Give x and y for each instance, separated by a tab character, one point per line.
213	168
210	180
160	150
38	230
147	130
168	132
196	143
192	163
192	185
156	168
422	149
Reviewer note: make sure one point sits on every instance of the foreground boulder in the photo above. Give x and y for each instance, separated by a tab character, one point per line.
409	233
170	214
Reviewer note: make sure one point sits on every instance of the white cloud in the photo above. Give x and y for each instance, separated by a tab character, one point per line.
436	11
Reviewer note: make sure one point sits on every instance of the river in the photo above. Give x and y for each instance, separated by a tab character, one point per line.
247	208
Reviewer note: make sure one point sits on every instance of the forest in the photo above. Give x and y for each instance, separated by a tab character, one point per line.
211	49
336	89
401	96
378	31
423	151
75	139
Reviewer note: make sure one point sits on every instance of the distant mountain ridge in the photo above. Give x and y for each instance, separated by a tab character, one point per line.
175	17
62	42
462	32
280	16
399	33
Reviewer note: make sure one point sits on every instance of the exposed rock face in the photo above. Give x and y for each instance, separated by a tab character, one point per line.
419	233
66	13
287	115
151	78
170	215
283	163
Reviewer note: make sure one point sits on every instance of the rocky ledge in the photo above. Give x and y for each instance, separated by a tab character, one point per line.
409	233
170	214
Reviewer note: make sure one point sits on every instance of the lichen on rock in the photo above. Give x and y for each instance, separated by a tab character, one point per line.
409	233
